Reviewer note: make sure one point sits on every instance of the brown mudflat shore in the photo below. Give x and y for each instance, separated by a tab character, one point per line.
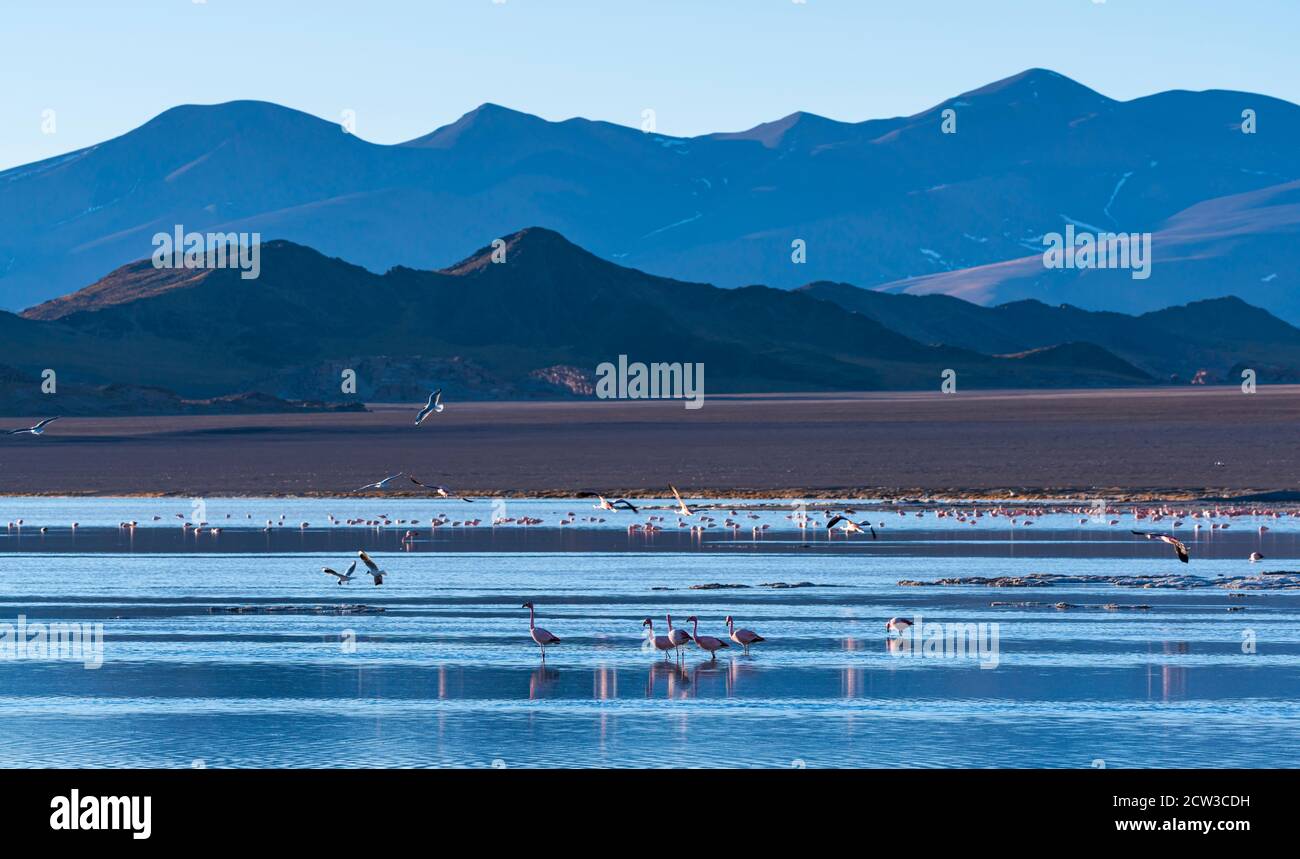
1133	443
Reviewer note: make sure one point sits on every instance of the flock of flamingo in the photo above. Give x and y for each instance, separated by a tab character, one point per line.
676	639
673	641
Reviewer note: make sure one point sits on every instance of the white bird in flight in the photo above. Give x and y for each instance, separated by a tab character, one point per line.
381	484
39	429
681	505
439	490
378	574
343	578
433	405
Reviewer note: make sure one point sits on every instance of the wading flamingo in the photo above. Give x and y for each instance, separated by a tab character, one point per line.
679	637
743	637
662	643
539	635
707	643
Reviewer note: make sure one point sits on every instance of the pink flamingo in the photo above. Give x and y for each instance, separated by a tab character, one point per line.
707	643
897	624
678	637
539	635
743	637
661	642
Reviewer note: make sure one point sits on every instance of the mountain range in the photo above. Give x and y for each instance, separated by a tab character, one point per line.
889	203
534	315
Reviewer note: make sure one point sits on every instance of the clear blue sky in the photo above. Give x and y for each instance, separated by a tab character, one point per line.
408	66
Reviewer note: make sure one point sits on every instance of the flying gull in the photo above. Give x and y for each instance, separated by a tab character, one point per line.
382	484
378	574
433	405
343	578
681	505
39	429
439	490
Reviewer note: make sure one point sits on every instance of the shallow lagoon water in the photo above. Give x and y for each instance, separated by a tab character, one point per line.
229	650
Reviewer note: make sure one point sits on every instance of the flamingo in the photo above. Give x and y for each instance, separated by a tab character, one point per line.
439	490
897	624
539	635
851	527
707	643
678	637
612	506
1178	545
743	637
661	642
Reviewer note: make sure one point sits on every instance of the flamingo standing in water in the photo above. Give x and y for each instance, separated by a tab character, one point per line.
539	635
707	643
661	642
679	637
743	637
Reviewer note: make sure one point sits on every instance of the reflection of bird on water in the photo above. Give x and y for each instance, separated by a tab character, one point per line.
540	678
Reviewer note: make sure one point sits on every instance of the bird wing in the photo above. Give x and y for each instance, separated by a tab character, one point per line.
365	559
873	531
1179	547
331	572
436	397
416	482
352	567
676	494
44	422
834	520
